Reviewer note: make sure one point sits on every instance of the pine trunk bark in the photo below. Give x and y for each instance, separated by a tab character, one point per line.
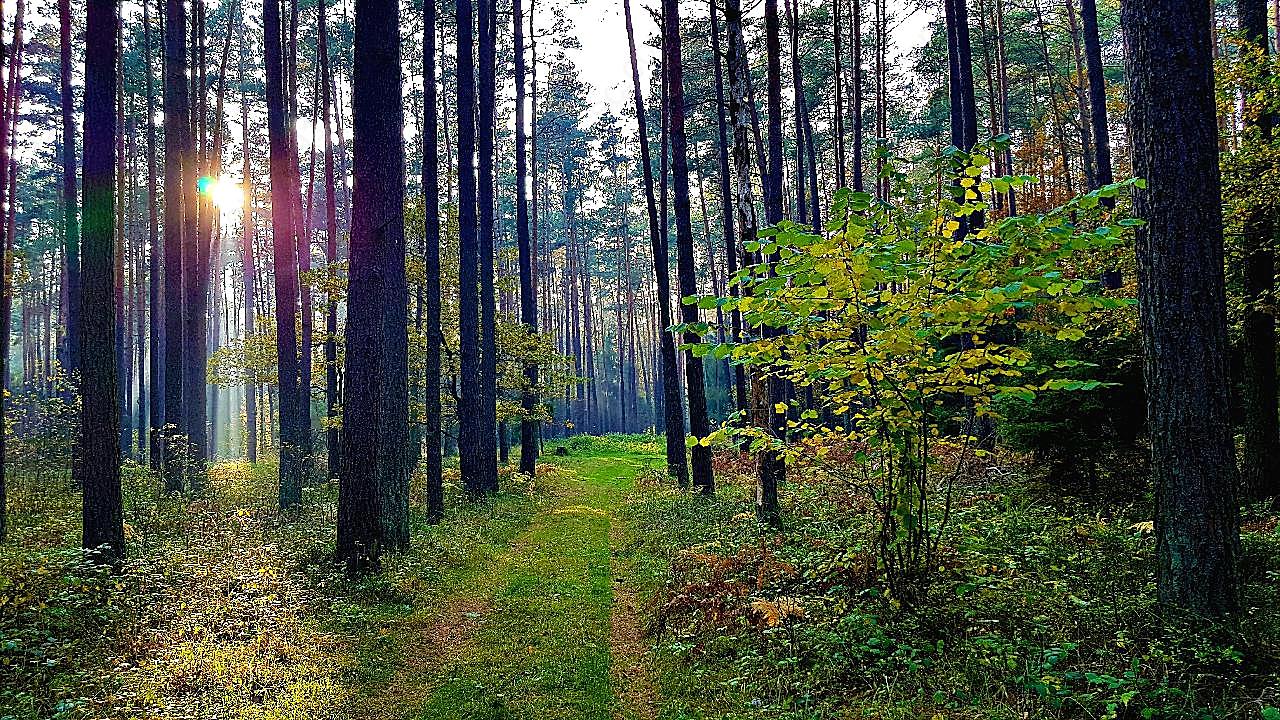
1183	301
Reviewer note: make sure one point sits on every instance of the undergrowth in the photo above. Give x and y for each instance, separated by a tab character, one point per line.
226	607
1039	610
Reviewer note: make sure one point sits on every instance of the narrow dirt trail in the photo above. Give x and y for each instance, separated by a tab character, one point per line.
547	630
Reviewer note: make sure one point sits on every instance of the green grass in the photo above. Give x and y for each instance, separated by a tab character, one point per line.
227	608
543	648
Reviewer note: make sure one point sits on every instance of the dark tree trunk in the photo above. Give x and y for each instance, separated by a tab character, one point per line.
155	297
797	94
472	461
373	499
431	260
488	420
70	215
283	228
1181	293
528	300
695	381
855	12
177	161
1097	93
195	275
677	466
249	268
1082	96
770	391
6	316
1260	461
100	416
332	440
727	201
1002	63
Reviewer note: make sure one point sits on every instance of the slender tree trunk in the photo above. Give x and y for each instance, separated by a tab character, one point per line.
249	266
177	162
1183	300
100	416
677	466
1260	461
70	214
528	298
285	245
695	380
431	260
770	468
155	296
855	12
1002	65
6	312
471	427
332	440
488	420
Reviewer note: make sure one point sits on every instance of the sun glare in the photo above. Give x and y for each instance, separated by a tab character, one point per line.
225	193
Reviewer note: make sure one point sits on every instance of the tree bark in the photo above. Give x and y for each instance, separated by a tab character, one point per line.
770	391
70	214
1183	301
283	228
677	465
100	415
695	380
177	162
1260	460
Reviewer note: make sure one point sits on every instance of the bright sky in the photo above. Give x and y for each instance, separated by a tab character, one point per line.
604	64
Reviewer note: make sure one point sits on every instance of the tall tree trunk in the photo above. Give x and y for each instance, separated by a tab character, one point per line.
488	420
797	90
855	92
123	363
195	274
727	201
528	298
471	428
695	380
155	294
177	163
677	465
283	228
1097	93
1002	65
6	311
1260	460
1082	100
70	211
431	260
770	468
371	511
249	268
1183	301
100	416
332	440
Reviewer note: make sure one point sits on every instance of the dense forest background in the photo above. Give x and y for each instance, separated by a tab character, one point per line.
839	358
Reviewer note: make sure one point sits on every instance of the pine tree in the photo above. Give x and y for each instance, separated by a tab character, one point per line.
100	416
1173	126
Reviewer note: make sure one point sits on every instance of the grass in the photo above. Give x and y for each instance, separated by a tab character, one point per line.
229	609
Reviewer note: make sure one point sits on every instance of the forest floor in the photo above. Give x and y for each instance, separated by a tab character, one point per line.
598	591
545	629
517	607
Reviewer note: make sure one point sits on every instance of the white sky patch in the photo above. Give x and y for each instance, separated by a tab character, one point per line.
604	63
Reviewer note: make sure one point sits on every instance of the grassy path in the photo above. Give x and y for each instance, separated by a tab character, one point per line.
538	632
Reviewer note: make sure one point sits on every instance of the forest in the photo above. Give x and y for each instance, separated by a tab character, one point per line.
639	359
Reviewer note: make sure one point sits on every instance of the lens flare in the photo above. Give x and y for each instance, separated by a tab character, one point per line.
223	192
